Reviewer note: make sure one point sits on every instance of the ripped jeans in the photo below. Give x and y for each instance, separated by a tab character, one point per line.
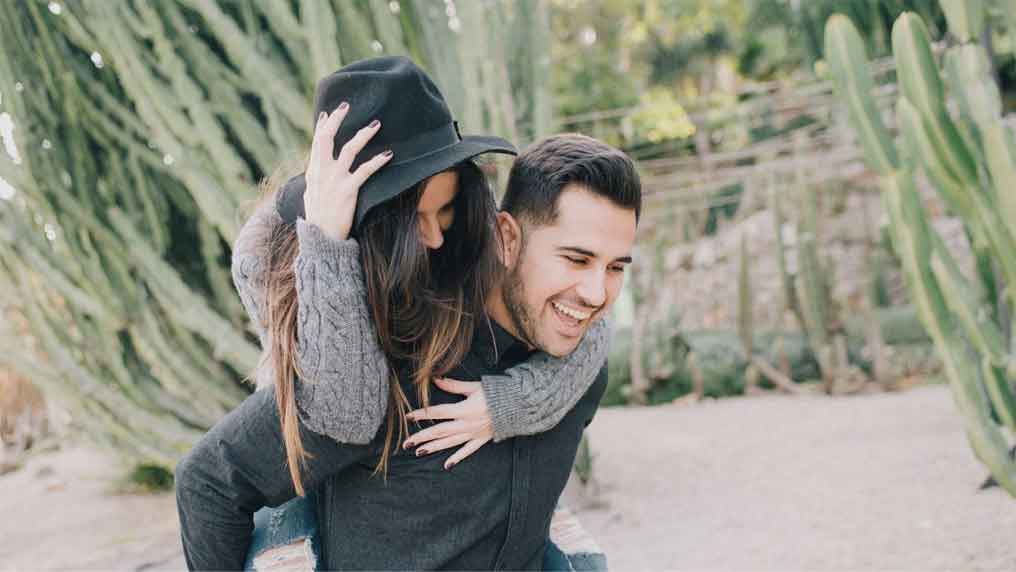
287	538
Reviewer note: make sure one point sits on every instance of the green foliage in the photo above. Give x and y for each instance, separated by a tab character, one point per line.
783	36
630	44
584	461
720	358
900	326
727	200
814	277
970	162
142	130
661	118
745	300
149	478
721	361
618	368
590	72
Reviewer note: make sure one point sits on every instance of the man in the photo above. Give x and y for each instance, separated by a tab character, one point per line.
567	227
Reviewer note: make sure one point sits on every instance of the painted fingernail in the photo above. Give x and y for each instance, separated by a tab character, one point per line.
374	124
448	466
387	154
408	444
343	106
421	452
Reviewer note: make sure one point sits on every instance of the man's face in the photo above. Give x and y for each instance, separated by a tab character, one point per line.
568	273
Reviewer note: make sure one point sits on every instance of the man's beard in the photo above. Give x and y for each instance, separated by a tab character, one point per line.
514	293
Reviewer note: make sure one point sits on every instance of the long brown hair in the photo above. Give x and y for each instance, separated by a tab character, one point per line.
425	304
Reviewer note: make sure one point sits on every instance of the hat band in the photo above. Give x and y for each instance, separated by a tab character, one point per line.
424	143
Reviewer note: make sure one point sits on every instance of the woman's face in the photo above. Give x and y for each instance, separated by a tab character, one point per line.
436	211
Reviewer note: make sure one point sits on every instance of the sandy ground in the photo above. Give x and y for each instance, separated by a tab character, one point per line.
873	482
61	512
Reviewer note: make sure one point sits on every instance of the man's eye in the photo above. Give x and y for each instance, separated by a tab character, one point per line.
616	269
448	208
575	260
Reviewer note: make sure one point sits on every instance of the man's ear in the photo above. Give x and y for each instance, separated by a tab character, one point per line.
509	239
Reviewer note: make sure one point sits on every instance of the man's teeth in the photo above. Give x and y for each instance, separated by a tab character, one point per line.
571	313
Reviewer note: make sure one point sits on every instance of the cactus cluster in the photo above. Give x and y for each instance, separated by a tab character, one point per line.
969	156
141	129
808	295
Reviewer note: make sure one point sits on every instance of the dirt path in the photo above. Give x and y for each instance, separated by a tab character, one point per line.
874	482
58	513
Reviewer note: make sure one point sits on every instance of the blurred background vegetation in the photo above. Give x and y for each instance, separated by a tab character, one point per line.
135	133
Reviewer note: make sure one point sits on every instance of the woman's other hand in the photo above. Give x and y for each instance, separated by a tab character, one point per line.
468	422
330	199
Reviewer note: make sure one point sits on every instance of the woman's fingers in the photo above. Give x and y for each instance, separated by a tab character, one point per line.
353	147
439	431
315	140
464	451
364	171
314	163
442	444
446	411
323	146
455	386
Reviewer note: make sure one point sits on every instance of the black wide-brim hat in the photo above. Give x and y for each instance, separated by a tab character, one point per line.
416	126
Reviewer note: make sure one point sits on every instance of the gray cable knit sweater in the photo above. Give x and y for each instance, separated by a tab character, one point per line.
343	392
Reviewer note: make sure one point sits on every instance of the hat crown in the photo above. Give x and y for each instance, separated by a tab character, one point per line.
416	125
393	90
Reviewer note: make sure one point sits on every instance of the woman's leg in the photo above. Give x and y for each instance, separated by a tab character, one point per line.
554	560
285	537
570	547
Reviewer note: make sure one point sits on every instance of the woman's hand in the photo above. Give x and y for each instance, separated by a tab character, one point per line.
469	423
330	199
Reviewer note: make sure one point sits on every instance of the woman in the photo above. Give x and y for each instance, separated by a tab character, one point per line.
354	331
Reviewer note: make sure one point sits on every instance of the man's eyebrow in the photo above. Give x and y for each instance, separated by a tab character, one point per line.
591	254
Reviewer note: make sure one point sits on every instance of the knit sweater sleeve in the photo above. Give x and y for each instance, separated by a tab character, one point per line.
343	386
249	268
346	393
535	395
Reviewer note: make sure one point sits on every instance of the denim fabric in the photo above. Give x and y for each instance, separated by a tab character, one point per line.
556	560
275	528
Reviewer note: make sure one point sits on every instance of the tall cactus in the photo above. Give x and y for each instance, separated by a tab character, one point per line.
745	301
141	129
969	160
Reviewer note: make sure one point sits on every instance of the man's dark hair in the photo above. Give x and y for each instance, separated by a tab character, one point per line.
546	167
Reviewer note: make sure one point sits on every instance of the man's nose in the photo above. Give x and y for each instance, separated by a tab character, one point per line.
592	289
430	233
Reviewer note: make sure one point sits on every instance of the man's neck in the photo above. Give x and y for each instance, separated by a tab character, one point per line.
498	311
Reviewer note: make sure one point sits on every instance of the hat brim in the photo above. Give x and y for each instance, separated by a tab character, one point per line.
396	177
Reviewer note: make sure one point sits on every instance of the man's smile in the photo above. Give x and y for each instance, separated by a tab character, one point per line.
571	312
571	321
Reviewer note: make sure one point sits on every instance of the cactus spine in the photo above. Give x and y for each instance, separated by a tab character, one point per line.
970	163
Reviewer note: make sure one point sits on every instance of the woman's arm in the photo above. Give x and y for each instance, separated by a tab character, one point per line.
238	467
529	398
249	267
337	345
535	395
343	388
